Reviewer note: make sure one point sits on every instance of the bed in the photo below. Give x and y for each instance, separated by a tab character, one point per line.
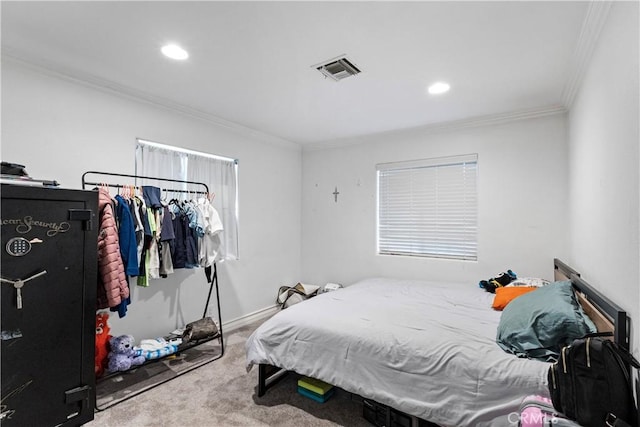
424	348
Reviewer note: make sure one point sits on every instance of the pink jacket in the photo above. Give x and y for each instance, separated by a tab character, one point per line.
110	266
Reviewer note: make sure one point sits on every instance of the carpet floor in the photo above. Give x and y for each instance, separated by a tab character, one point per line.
222	393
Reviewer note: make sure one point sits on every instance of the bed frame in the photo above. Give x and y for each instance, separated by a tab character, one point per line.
607	316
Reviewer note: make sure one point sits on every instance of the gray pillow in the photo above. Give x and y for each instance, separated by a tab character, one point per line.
538	324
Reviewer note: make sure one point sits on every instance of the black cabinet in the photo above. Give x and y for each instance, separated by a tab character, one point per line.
48	272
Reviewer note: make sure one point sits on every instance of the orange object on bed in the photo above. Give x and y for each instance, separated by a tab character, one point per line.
505	295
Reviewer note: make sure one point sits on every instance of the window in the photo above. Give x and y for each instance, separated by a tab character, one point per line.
219	173
428	208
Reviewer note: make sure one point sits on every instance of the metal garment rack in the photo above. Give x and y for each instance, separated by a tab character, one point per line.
212	279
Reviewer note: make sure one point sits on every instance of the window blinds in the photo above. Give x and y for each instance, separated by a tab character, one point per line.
429	207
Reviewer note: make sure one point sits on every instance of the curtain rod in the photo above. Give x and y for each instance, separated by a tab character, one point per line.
185	150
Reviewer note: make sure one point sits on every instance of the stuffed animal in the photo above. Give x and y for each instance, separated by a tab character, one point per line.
122	356
102	343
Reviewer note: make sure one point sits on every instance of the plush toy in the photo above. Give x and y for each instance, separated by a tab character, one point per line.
122	356
102	343
502	279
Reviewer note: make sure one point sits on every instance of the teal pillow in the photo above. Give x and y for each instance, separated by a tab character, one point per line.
538	324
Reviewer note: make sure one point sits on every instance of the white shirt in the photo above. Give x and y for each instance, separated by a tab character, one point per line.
209	247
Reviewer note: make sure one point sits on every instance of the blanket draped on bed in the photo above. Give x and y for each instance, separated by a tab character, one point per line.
427	349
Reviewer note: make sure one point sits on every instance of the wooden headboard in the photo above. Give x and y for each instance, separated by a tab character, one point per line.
607	315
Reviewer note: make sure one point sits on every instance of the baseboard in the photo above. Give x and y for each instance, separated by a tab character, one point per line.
247	319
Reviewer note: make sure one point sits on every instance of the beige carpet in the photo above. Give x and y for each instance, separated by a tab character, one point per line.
222	393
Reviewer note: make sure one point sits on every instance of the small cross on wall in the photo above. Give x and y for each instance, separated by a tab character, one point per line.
335	194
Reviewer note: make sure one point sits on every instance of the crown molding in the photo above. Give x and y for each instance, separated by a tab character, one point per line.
472	122
88	80
594	20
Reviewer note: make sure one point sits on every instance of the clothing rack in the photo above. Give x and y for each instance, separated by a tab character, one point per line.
113	185
211	274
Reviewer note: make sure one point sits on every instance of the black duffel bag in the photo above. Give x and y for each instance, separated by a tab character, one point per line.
590	383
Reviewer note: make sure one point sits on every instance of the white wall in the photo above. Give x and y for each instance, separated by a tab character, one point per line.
522	202
60	129
603	167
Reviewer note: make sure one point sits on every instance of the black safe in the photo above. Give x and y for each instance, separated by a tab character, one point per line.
48	283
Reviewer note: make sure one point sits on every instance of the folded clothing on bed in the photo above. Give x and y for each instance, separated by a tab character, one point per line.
502	279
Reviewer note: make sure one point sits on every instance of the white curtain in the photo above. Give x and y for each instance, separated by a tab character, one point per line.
220	176
156	161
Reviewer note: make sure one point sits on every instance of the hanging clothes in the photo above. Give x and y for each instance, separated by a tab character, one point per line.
150	242
154	241
167	235
147	236
153	258
192	235
209	248
151	196
195	218
127	237
179	245
134	206
114	287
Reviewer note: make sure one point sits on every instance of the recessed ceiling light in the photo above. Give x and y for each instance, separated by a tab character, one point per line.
438	88
174	51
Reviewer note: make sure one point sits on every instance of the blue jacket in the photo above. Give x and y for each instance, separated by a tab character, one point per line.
127	236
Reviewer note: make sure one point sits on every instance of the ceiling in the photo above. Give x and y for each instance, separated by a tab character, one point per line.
251	63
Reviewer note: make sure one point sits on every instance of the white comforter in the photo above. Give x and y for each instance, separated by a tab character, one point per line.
427	349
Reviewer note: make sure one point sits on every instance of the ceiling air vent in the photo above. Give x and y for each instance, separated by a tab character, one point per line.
338	68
